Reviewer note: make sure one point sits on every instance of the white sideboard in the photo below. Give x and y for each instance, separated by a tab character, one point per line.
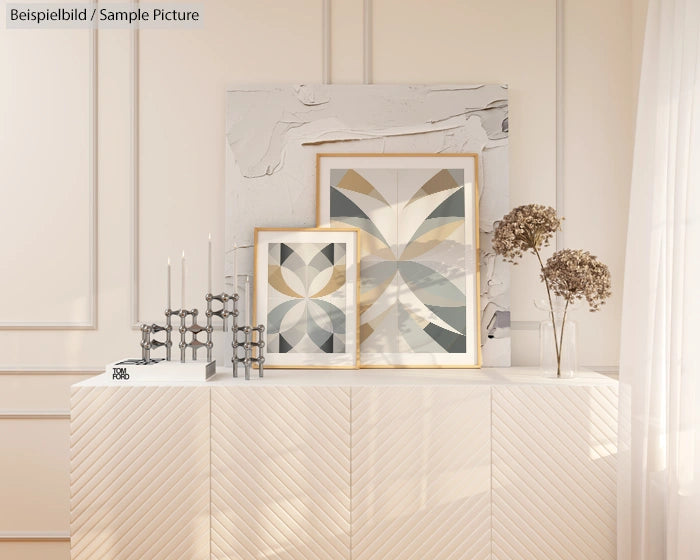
490	464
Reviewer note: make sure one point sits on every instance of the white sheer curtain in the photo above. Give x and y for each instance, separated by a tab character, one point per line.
659	451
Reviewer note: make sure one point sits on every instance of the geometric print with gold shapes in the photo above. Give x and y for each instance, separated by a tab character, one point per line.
306	298
412	266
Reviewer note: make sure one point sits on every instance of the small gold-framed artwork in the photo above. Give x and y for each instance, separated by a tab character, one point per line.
419	264
306	294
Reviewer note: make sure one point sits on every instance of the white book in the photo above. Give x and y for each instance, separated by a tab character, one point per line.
161	370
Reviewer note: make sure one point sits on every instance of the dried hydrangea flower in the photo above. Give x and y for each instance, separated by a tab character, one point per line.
575	274
569	274
525	228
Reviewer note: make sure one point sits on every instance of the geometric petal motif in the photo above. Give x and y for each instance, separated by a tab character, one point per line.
346	213
449	213
306	298
428	251
443	180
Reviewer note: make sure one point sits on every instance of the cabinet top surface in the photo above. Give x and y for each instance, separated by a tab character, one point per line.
371	377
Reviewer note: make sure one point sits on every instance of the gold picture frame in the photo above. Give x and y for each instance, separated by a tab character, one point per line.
469	163
349	359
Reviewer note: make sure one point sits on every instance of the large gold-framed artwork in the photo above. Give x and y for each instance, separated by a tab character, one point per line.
419	253
306	293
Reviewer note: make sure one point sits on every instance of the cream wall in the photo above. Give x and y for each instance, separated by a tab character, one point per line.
181	77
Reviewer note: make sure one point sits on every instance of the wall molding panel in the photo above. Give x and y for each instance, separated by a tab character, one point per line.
43	370
35	415
34	536
367	42
90	323
560	191
326	59
134	236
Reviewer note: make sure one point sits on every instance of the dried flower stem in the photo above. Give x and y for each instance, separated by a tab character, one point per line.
557	345
560	351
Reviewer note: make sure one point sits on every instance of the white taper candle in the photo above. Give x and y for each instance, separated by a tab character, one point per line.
235	268
182	298
169	283
248	301
209	268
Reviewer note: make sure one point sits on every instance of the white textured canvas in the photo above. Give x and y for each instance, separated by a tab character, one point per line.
273	134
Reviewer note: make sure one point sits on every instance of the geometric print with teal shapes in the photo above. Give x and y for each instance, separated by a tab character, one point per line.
413	268
306	298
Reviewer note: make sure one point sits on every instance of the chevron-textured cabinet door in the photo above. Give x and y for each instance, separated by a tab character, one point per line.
421	473
139	473
554	472
280	469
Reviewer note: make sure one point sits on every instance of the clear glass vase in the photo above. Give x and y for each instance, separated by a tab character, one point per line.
548	355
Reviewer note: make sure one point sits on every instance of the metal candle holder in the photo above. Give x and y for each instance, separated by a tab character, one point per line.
148	343
193	328
252	340
252	344
223	313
